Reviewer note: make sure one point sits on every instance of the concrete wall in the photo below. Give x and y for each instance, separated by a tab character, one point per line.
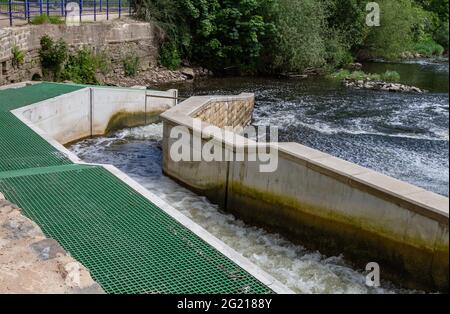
319	200
115	39
96	111
206	178
66	117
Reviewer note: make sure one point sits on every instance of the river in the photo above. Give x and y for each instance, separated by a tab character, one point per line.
401	135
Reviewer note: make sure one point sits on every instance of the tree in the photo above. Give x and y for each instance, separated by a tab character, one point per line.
228	33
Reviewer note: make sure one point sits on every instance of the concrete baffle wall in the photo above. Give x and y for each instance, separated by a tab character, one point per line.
93	111
313	198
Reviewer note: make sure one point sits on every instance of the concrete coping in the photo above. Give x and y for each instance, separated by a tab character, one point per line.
409	196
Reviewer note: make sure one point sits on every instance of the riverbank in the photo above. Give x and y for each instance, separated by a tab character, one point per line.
153	76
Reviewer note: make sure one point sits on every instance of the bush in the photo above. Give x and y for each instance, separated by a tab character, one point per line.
300	42
81	67
169	56
428	48
131	65
103	61
337	52
394	35
441	35
46	19
52	56
18	56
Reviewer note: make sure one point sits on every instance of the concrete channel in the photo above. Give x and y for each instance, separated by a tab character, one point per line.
129	239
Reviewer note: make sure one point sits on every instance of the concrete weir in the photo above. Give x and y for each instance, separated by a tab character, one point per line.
129	239
319	200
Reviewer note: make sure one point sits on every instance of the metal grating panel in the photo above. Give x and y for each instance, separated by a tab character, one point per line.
128	244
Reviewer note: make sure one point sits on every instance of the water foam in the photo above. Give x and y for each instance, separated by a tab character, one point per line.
301	270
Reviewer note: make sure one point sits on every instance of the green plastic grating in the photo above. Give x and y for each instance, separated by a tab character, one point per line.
128	244
21	147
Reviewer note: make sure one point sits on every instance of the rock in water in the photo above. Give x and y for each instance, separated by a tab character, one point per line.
381	85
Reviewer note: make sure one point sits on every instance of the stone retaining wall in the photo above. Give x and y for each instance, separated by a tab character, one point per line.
116	40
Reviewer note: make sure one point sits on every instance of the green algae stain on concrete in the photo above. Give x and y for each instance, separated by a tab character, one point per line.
359	240
125	119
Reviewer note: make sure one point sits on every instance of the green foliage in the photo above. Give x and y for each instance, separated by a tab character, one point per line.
300	43
216	34
388	76
52	56
227	33
347	18
355	75
131	64
46	19
18	56
394	36
291	35
428	47
438	7
169	56
169	16
81	67
441	35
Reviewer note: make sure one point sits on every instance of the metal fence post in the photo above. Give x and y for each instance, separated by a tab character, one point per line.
28	10
48	8
107	9
62	8
10	12
120	8
81	9
95	10
25	9
41	10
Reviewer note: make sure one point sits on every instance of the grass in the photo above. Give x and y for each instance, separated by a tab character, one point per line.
46	19
388	76
428	48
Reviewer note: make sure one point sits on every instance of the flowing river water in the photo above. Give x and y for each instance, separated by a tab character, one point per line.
402	135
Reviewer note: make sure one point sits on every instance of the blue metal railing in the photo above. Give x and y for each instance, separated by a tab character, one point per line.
28	9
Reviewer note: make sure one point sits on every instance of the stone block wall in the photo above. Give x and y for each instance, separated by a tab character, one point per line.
116	39
236	112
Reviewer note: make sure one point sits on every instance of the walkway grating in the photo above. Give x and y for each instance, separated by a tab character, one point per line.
128	243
